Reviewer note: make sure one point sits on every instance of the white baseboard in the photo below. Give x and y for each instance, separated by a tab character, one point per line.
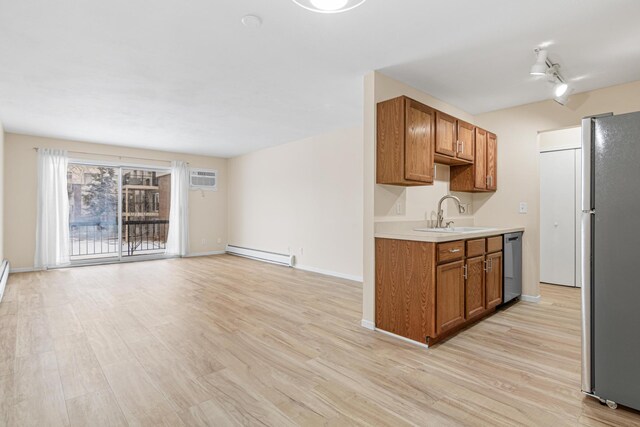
368	324
530	298
23	269
260	255
328	272
4	275
209	253
407	340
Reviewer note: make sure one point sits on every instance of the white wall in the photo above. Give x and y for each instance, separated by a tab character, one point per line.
561	139
302	198
207	210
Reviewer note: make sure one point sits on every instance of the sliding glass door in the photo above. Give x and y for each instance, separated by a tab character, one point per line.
117	212
146	197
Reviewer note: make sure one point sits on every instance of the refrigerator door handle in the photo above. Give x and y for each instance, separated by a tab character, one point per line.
587	146
587	348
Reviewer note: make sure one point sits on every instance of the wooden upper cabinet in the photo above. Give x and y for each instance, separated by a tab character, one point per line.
405	142
492	161
412	137
466	141
420	136
450	296
446	134
481	176
450	148
493	279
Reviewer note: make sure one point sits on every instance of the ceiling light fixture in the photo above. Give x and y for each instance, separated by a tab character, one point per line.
541	66
329	6
544	67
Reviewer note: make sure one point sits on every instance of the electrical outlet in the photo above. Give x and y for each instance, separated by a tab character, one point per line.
398	208
523	207
301	251
204	242
219	240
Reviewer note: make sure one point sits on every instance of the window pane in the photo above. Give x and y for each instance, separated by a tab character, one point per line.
93	211
146	197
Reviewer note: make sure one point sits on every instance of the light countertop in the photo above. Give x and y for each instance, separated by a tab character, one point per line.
405	230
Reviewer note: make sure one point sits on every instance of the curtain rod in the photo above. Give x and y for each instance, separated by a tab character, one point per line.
113	155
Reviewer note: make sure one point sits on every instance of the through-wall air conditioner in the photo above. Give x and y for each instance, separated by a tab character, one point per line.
204	179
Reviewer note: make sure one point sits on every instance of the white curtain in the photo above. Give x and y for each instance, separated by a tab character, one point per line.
178	238
52	228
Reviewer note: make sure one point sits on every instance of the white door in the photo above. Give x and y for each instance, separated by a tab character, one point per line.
558	217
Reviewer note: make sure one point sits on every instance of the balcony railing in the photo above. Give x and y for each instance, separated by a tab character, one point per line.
92	239
145	236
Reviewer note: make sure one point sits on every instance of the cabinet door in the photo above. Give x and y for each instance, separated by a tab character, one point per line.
419	140
480	162
446	139
449	296
474	289
466	140
493	279
492	161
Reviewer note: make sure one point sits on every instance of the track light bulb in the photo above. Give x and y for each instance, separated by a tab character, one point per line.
560	89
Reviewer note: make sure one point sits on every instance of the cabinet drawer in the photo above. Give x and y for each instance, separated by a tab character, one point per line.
450	251
475	247
494	244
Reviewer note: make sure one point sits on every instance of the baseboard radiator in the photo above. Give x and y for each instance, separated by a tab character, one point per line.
272	257
4	275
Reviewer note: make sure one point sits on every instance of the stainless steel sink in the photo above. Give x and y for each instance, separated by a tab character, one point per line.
454	229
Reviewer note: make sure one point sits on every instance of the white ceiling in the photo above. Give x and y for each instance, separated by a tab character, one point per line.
187	76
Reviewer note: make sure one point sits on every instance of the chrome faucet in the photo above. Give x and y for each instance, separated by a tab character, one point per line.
461	209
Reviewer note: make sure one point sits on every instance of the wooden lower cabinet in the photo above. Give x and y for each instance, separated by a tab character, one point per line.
426	296
449	296
493	279
474	287
405	288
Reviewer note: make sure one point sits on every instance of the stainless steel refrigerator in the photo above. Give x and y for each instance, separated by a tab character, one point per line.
611	258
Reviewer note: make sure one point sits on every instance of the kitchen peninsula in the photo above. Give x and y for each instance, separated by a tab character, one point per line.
431	284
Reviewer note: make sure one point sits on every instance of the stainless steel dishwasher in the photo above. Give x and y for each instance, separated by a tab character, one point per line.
512	273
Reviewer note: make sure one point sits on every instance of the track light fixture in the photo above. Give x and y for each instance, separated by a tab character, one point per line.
544	67
540	67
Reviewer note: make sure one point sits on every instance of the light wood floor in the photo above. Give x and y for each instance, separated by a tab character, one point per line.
229	341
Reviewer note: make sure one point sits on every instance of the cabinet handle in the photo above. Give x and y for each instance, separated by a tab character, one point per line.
486	265
466	271
487	180
453	251
490	264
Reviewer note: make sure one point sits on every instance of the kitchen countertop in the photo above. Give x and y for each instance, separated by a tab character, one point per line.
405	231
